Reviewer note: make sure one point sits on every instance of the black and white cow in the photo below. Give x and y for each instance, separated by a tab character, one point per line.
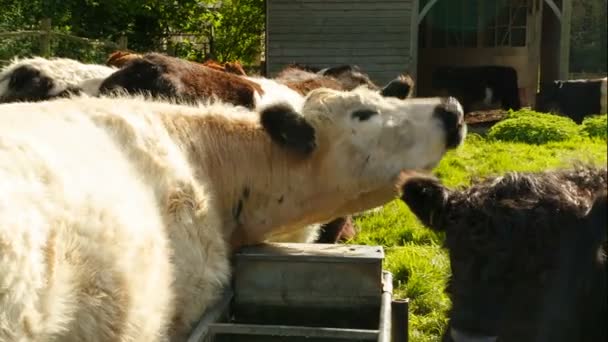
479	87
573	98
38	78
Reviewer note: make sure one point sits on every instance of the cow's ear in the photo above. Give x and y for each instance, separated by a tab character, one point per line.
288	128
427	198
401	87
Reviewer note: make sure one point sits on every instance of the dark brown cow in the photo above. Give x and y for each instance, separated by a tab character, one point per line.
528	261
161	75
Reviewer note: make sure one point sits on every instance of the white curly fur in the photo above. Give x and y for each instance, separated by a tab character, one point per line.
117	215
64	72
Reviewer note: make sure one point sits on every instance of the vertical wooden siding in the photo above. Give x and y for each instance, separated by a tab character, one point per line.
374	34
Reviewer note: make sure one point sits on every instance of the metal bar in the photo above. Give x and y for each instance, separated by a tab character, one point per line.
292	331
384	328
425	10
211	315
400	320
555	9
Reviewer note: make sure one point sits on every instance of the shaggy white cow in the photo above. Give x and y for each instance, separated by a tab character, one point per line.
38	78
117	216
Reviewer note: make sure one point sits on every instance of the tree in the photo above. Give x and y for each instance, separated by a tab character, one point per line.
148	25
239	29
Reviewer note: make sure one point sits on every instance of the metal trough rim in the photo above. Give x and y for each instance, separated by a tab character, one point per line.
292	331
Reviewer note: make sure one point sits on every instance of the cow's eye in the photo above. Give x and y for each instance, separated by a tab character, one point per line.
363	114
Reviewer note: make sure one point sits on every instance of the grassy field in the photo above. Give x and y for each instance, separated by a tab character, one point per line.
414	254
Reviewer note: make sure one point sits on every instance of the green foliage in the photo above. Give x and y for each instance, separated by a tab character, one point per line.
421	273
596	126
419	266
534	128
589	37
239	31
233	30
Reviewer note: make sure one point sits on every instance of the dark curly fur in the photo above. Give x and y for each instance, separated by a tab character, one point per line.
522	246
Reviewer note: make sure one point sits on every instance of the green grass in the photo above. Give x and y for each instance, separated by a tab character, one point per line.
530	127
413	253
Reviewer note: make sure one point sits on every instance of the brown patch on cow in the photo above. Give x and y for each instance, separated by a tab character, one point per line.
230	67
49	254
198	82
27	327
306	86
341	229
235	68
120	58
296	73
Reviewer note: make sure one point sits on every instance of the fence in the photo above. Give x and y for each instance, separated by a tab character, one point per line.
45	35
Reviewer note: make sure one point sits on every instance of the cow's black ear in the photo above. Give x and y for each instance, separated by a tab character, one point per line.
401	87
288	128
427	198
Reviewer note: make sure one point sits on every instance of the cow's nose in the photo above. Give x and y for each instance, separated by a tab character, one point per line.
451	115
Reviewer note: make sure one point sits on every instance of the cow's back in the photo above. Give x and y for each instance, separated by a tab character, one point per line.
80	234
579	98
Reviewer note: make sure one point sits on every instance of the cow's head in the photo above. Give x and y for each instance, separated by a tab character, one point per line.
139	75
505	238
350	76
25	83
378	134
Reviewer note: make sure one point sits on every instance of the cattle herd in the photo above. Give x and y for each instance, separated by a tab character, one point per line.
126	187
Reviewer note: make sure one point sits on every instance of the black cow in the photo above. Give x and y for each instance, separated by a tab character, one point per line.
573	98
527	256
479	85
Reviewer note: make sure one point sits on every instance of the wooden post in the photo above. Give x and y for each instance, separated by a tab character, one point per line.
122	42
564	46
45	38
414	27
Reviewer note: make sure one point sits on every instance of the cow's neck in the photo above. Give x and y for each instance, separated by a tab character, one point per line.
263	188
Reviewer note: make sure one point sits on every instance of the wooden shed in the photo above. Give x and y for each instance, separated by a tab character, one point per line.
373	34
388	37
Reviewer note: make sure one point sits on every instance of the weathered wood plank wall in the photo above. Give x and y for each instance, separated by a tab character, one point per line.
373	34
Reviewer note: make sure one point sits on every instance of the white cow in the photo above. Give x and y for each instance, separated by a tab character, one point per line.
117	216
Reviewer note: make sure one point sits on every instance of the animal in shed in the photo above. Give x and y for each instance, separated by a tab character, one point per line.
38	78
527	255
575	99
118	215
478	87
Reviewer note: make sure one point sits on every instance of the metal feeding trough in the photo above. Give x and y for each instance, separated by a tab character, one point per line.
306	292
